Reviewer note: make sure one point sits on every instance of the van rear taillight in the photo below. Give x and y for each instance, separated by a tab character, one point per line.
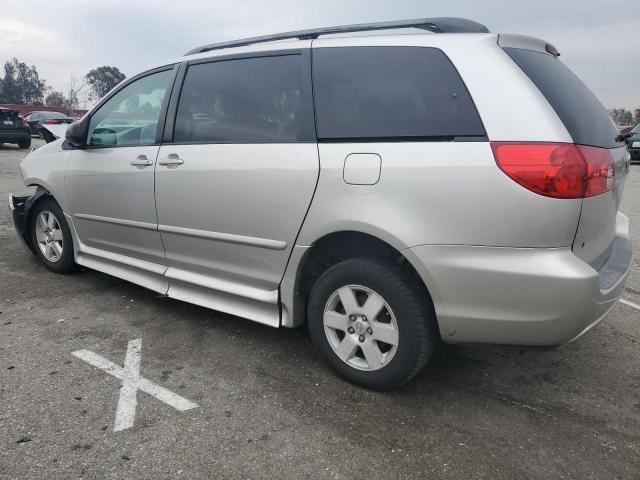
557	170
600	170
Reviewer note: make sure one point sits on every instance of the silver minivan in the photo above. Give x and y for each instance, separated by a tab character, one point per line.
388	190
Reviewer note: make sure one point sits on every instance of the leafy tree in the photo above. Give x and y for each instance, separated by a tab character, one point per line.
637	115
622	116
103	79
54	99
21	84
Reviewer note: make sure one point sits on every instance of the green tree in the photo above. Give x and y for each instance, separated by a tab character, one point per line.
21	84
54	99
103	79
615	114
622	116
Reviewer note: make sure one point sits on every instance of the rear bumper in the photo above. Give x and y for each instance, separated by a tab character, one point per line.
14	135
520	296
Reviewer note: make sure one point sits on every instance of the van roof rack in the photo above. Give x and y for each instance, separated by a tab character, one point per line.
435	25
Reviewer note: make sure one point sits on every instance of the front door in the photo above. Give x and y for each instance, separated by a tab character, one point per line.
110	184
233	187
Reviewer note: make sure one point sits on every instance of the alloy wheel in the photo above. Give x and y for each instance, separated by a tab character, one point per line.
49	236
361	327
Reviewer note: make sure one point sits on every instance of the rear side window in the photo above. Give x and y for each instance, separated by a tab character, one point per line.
391	93
583	115
247	100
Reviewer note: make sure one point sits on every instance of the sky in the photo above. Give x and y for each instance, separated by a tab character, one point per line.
598	39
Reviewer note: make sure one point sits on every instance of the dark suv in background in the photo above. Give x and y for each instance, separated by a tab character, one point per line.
633	142
14	129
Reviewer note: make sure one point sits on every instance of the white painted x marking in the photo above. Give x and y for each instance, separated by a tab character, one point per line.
131	383
630	304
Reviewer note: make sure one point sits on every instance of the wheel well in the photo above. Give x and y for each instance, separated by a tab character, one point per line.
336	247
40	195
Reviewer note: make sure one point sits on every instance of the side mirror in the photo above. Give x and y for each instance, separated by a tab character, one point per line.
624	136
77	133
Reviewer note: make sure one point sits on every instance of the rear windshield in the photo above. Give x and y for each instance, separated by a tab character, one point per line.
379	93
8	113
582	114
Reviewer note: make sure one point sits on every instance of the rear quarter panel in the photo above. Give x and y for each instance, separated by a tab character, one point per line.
442	193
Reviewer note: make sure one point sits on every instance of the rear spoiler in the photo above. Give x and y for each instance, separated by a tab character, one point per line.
528	43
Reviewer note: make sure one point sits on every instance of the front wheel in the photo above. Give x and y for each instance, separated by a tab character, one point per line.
51	236
372	322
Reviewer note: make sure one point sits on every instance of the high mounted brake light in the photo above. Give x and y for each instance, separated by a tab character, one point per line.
557	170
552	50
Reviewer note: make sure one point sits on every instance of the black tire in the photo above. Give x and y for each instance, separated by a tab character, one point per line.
417	331
25	143
65	263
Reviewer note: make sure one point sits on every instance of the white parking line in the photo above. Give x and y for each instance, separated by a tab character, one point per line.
131	383
630	304
126	413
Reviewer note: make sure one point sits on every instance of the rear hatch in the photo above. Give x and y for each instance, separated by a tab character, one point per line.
9	119
589	124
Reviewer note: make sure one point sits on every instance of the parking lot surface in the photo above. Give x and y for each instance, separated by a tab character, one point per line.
266	406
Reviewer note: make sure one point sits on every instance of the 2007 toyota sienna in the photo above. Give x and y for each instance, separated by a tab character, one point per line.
388	190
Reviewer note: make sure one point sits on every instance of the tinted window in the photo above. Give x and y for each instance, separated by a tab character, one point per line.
131	116
583	115
386	92
262	99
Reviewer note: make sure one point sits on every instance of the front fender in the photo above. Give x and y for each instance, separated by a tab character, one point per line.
45	168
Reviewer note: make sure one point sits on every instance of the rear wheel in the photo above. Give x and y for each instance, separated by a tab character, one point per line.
372	322
25	143
51	236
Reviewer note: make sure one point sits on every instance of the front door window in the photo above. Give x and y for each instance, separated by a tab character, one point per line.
131	116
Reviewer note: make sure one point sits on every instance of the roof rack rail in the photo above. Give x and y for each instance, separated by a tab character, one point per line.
436	25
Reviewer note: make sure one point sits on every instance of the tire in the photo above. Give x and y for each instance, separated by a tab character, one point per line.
405	309
25	143
51	237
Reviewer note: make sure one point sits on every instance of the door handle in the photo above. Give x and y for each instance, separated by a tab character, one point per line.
141	161
172	161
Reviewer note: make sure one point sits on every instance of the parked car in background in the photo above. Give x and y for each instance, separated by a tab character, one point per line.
37	119
371	187
14	129
633	142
